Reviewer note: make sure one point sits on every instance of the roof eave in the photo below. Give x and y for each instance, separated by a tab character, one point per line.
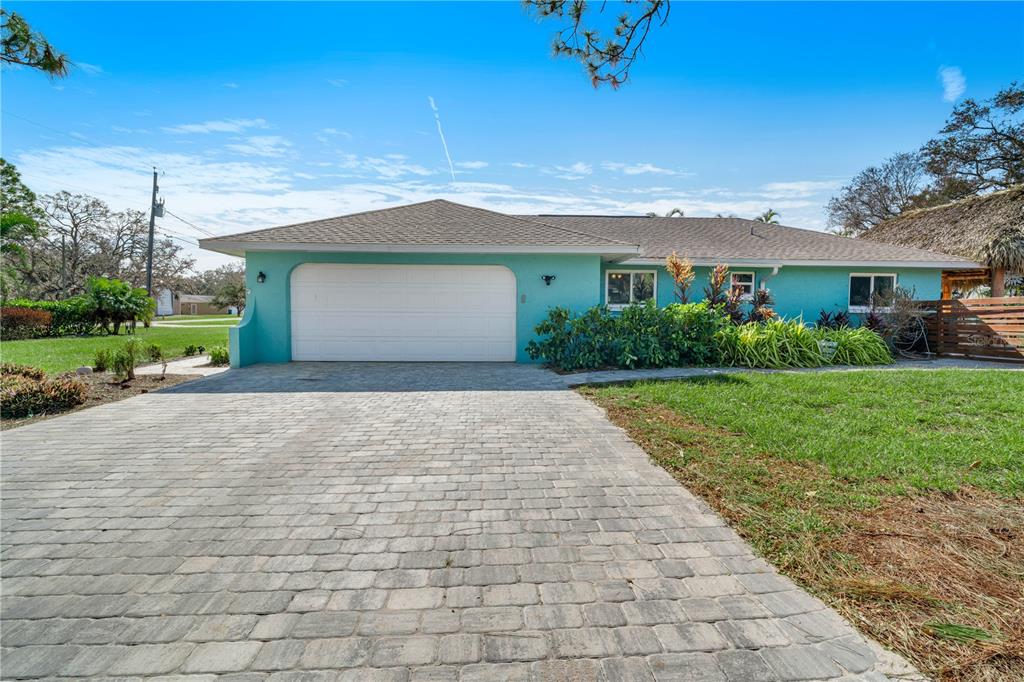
240	248
773	262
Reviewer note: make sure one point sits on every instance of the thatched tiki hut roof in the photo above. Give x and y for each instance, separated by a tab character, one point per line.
987	229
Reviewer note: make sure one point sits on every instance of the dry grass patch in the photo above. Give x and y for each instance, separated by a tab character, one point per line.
936	576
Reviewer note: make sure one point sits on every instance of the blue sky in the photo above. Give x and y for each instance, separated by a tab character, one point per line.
262	113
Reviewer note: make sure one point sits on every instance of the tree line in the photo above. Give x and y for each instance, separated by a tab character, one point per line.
53	244
980	149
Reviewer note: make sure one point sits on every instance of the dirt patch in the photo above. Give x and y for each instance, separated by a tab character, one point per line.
103	389
937	577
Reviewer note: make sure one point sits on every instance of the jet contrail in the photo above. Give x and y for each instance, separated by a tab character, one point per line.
440	132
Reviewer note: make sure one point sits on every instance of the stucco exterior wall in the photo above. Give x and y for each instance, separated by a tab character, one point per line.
797	290
265	332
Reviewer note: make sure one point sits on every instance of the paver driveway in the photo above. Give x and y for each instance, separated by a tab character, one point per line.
390	522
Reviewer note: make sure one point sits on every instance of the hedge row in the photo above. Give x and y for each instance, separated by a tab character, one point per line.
70	317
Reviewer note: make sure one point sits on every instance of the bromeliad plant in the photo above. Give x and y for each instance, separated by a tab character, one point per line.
681	271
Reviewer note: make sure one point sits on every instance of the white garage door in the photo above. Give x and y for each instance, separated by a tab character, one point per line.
403	312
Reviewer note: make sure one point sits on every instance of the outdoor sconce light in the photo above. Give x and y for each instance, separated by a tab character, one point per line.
261	278
547	279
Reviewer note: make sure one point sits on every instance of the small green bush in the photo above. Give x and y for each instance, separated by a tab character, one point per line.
103	360
126	358
191	350
10	369
640	336
18	323
859	346
154	352
219	356
22	396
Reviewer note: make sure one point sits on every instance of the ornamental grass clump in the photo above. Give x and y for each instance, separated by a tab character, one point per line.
782	344
775	344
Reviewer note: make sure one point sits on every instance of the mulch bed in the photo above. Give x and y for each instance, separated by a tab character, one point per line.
103	389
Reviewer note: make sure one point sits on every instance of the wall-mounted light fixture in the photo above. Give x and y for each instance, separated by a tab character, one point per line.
547	279
262	277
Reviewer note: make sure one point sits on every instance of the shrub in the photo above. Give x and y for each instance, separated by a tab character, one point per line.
23	323
641	336
117	302
103	360
23	396
10	369
154	352
126	358
71	317
191	350
219	356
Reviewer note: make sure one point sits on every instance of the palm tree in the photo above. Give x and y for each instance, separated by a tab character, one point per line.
770	217
671	214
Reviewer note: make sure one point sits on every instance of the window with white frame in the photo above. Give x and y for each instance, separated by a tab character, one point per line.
744	281
624	287
868	287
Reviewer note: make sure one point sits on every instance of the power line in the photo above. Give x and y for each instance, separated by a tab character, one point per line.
190	224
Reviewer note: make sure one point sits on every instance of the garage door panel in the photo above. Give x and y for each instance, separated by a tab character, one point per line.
403	313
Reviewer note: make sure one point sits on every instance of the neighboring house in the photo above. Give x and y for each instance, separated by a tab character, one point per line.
172	303
988	229
442	281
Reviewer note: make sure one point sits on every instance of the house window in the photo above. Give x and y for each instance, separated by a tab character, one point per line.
743	281
625	288
865	288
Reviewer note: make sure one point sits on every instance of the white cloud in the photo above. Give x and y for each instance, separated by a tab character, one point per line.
472	165
799	188
335	131
226	196
520	164
636	168
233	125
91	69
261	145
337	82
233	86
389	166
954	83
576	171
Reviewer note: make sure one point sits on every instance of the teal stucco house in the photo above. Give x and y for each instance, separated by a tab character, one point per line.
439	281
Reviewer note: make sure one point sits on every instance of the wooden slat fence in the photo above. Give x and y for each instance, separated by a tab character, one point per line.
982	328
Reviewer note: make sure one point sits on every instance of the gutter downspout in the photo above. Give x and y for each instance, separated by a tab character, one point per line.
775	271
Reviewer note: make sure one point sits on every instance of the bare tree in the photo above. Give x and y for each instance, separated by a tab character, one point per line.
876	194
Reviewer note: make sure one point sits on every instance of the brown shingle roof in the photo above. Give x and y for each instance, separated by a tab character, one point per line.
441	223
964	228
725	239
429	223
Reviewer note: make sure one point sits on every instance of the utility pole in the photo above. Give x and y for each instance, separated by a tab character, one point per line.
155	209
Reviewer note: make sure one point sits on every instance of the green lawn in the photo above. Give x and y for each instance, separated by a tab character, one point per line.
183	318
211	322
896	496
68	353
